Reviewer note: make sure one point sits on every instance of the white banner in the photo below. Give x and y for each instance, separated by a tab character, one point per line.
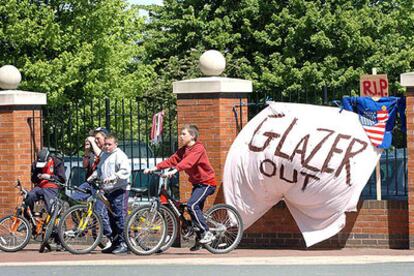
314	158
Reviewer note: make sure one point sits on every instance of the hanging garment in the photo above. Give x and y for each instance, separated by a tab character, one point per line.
157	128
377	117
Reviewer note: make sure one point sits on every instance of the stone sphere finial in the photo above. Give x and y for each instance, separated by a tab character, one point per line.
212	63
10	77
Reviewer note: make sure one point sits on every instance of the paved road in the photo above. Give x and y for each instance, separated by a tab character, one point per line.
396	269
179	261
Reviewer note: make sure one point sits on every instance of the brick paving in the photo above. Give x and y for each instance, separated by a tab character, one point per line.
30	254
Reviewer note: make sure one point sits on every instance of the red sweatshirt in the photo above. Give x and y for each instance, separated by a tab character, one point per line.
194	161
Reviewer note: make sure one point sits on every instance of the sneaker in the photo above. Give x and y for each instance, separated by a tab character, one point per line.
207	238
110	249
197	246
70	234
108	244
120	249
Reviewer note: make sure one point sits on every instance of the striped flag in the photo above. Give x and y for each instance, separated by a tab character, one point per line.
374	125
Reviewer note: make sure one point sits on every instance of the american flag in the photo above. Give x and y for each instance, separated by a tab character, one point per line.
374	125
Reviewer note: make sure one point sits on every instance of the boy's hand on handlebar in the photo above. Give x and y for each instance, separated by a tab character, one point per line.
170	174
91	179
109	179
150	170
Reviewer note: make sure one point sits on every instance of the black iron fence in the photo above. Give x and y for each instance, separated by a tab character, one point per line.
393	162
65	128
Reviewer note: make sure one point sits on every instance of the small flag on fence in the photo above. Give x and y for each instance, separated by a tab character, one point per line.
374	125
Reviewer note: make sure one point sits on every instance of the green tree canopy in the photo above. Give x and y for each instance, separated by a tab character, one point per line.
284	46
74	49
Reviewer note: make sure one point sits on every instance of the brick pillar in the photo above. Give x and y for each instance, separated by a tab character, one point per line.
407	80
19	135
208	103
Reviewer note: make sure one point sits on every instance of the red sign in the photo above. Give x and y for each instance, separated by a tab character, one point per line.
374	86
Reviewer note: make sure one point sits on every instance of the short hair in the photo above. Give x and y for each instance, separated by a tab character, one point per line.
112	136
192	129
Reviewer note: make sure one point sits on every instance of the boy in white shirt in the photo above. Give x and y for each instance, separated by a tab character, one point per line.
114	170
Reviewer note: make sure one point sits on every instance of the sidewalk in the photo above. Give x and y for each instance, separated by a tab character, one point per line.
30	256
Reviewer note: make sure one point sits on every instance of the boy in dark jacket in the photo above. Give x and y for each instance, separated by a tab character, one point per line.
45	170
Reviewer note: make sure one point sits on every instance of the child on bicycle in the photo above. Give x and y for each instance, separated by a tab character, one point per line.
45	170
192	158
94	145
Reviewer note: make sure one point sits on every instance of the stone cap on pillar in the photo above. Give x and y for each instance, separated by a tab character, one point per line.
407	79
212	85
212	63
17	97
10	78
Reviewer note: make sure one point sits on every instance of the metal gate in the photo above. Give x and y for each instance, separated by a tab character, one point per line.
64	129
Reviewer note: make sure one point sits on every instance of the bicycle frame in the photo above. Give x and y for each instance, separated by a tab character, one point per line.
172	203
91	201
167	200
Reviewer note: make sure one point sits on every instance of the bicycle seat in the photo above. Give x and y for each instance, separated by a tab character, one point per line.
139	191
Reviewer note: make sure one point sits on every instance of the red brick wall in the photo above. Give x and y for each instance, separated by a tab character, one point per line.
380	224
215	120
15	154
410	147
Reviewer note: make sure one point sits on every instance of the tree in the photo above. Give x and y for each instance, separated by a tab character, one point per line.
285	47
74	49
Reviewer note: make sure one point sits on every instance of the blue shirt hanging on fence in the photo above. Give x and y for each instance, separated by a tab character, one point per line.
377	116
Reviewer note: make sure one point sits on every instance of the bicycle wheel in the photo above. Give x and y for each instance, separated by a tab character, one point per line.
80	230
145	231
225	222
172	227
50	226
14	233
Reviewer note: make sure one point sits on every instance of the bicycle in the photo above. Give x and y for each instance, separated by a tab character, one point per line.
80	229
17	229
52	220
223	220
145	229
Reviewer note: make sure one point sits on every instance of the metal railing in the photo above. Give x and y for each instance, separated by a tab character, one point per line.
65	128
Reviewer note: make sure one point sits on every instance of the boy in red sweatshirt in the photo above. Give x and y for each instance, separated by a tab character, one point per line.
192	158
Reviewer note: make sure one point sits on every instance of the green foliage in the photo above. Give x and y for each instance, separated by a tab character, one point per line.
284	46
74	49
83	49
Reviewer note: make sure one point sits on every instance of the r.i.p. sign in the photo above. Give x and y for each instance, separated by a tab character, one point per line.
374	86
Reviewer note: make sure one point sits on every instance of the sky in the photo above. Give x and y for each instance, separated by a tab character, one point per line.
145	2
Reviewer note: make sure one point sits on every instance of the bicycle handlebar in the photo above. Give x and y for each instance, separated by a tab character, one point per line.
22	190
160	173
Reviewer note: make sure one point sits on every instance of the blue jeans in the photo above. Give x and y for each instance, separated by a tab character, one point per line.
100	207
119	205
196	204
